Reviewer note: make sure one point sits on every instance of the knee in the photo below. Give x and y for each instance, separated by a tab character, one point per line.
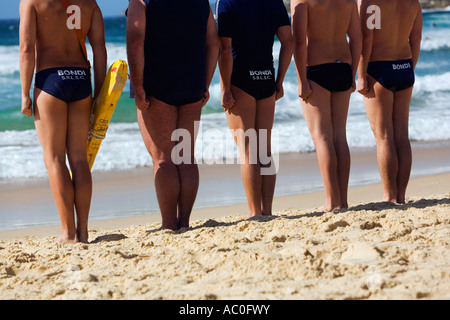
78	161
163	163
323	139
384	135
401	138
53	160
340	140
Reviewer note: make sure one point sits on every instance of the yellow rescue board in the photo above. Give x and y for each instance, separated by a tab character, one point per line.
103	107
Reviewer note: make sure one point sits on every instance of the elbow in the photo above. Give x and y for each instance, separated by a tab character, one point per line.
415	40
299	43
26	49
134	41
213	45
288	44
226	50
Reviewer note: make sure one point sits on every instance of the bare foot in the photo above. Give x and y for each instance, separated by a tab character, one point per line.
62	239
327	208
251	215
83	236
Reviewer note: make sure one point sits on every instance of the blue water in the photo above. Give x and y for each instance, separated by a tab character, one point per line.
19	146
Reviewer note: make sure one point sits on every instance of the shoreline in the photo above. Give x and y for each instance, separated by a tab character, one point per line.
128	197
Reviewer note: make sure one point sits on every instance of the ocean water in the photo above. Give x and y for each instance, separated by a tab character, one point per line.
123	148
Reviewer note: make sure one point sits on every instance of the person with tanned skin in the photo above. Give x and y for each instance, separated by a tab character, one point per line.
386	78
62	100
172	51
326	68
249	88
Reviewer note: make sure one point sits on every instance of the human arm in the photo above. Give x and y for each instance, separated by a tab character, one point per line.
284	34
96	37
27	53
367	35
299	12
136	24
355	41
212	53
416	36
226	69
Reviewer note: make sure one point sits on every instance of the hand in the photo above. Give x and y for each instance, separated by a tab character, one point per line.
353	86
205	98
140	99
363	85
304	90
279	93
228	100
27	106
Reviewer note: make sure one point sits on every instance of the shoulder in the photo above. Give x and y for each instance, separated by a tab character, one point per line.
416	3
295	3
24	4
27	7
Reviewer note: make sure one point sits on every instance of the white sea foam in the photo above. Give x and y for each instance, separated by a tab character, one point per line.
123	148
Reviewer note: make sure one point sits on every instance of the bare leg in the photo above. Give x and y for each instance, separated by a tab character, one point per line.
50	116
265	111
402	101
188	172
77	135
379	107
156	125
339	110
318	116
243	117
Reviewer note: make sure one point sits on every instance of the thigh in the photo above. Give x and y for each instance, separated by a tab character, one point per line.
339	111
189	119
379	108
402	100
242	122
317	112
78	128
243	113
50	117
157	124
265	113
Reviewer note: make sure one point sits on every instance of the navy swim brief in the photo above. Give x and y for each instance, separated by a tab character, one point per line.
68	84
334	77
393	75
257	82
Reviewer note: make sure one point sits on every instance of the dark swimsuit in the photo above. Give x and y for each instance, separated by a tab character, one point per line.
334	77
393	75
175	51
67	84
259	83
252	26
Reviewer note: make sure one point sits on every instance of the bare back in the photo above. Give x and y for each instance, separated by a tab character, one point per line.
391	41
328	24
56	44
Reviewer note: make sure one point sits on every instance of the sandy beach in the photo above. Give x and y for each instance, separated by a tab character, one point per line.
372	250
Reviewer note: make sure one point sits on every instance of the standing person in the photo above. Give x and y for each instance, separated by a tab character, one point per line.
249	88
62	99
326	68
172	50
386	78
